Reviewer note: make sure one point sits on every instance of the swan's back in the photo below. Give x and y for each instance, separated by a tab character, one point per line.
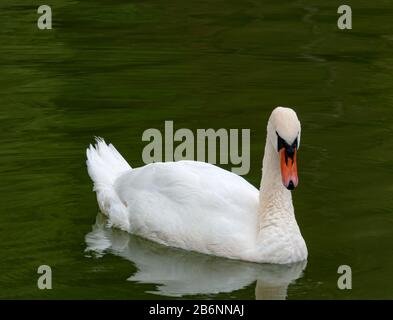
192	205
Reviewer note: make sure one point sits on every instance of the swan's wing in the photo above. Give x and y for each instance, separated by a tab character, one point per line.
192	205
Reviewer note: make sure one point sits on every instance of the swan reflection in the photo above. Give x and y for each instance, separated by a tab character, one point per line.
178	272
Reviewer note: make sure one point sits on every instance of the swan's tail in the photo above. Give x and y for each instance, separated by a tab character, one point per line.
105	164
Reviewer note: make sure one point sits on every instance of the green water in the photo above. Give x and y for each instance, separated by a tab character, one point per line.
116	68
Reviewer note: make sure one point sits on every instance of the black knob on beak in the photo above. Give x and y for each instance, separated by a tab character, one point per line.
290	151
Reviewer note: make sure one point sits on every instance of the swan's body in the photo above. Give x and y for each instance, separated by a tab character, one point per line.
200	207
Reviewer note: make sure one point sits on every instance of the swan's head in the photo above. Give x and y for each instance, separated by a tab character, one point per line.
284	134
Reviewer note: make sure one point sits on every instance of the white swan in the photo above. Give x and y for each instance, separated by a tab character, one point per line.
201	207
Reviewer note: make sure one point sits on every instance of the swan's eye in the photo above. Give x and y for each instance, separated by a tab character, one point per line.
294	144
280	142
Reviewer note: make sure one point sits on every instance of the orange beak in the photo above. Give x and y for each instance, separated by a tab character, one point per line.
289	169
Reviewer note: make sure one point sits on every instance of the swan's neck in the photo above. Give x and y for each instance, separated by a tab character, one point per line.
275	200
279	239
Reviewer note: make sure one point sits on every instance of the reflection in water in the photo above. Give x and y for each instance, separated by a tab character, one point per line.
179	272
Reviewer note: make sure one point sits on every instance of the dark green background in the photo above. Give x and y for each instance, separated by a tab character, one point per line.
116	68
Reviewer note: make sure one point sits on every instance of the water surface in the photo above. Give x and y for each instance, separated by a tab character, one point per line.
116	68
